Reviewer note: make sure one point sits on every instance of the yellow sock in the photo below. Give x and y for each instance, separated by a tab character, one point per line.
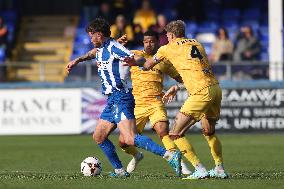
168	143
187	150
130	150
215	148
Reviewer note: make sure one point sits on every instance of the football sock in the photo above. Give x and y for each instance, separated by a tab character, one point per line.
144	142
168	143
219	167
215	148
130	150
187	150
109	150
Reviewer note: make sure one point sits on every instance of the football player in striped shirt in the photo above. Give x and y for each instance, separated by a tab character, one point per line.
119	111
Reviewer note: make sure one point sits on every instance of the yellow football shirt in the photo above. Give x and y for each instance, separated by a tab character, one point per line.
189	58
148	85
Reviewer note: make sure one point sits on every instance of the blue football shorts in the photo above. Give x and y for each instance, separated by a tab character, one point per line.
120	106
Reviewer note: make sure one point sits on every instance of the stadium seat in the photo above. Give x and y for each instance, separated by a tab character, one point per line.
191	28
231	24
264	56
205	37
9	15
213	15
170	14
82	37
2	54
231	14
207	47
251	14
207	27
11	31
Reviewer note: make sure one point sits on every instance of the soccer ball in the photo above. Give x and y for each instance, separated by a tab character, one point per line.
91	166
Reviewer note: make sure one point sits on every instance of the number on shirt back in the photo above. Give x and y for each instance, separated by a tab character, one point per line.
195	53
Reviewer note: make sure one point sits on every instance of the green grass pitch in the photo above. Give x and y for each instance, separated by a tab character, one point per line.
253	161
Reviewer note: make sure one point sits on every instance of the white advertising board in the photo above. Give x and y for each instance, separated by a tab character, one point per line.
40	111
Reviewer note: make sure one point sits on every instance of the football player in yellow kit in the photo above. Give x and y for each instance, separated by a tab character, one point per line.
204	102
147	92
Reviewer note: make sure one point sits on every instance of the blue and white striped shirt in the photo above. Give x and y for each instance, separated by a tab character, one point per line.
114	76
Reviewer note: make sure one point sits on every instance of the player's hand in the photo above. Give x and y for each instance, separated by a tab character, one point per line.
123	39
147	66
170	94
70	65
129	61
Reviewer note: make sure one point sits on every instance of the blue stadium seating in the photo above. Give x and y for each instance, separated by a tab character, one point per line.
82	37
217	14
207	26
251	14
2	54
233	14
8	15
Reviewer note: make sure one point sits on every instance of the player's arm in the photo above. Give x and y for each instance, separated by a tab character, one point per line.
172	92
88	56
122	40
145	63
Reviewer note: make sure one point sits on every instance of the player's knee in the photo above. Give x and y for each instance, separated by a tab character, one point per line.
98	138
175	136
162	133
127	141
208	132
162	129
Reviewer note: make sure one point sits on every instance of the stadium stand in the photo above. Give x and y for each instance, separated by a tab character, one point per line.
34	36
43	39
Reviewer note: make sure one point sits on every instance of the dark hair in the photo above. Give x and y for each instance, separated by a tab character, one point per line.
151	33
99	25
250	30
225	31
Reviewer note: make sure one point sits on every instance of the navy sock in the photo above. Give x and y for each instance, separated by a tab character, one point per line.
142	141
109	150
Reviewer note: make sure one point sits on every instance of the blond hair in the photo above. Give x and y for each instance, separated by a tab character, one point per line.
176	27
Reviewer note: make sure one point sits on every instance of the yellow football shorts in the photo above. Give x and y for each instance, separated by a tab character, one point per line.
206	102
153	113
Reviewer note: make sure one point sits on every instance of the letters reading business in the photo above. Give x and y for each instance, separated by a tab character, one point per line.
33	111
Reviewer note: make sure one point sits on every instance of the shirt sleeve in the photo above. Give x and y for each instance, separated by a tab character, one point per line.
169	69
119	51
160	55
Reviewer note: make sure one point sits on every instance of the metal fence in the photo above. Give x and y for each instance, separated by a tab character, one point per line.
87	71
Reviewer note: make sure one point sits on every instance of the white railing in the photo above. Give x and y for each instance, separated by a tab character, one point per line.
225	70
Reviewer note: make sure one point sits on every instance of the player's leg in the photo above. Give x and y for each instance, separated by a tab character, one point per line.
162	130
125	120
141	120
159	121
181	124
105	126
208	128
131	137
100	136
192	111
